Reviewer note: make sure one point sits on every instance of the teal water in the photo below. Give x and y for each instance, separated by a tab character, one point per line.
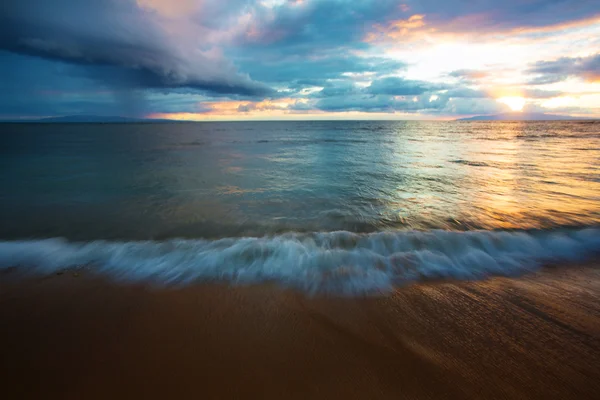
196	183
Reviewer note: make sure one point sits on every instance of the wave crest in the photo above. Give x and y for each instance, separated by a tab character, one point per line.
337	262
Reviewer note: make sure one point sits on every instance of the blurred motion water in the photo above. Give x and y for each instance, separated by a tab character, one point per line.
124	182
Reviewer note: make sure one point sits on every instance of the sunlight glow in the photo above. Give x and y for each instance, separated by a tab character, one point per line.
514	103
557	102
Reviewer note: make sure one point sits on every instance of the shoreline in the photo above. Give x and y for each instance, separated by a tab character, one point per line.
78	335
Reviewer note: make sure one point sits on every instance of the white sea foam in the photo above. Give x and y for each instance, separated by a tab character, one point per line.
339	262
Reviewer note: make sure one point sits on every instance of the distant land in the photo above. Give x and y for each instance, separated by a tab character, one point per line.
521	116
90	119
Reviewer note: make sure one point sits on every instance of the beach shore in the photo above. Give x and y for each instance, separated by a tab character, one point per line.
80	336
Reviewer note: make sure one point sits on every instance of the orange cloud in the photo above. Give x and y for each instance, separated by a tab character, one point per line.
278	110
183	116
290	116
403	26
591	76
397	29
467	26
234	109
595	19
248	106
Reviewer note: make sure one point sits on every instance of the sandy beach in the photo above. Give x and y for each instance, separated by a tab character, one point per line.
76	335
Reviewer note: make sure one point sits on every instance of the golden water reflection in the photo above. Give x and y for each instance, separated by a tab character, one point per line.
509	178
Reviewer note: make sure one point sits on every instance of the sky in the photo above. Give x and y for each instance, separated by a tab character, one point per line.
298	59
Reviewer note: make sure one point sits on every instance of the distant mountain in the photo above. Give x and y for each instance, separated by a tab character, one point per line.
521	116
95	119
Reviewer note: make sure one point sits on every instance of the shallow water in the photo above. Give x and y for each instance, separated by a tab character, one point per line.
207	181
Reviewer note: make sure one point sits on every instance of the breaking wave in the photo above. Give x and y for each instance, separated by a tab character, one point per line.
336	262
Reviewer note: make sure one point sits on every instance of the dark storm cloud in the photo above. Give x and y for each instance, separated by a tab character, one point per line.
586	68
33	86
116	33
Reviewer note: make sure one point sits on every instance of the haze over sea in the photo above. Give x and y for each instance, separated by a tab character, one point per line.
339	206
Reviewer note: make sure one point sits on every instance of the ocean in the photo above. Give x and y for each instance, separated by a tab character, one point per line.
345	207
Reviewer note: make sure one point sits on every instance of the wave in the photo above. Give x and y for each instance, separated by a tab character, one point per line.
336	262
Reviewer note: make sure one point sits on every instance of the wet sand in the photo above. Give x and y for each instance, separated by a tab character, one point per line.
78	336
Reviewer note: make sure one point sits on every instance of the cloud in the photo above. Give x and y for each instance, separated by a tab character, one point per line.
121	34
540	94
471	106
546	79
317	70
396	86
426	103
343	88
484	18
395	94
586	68
264	56
33	86
469	74
508	15
36	87
362	103
466	92
265	105
315	25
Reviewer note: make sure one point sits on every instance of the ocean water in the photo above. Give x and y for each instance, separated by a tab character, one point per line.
340	206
